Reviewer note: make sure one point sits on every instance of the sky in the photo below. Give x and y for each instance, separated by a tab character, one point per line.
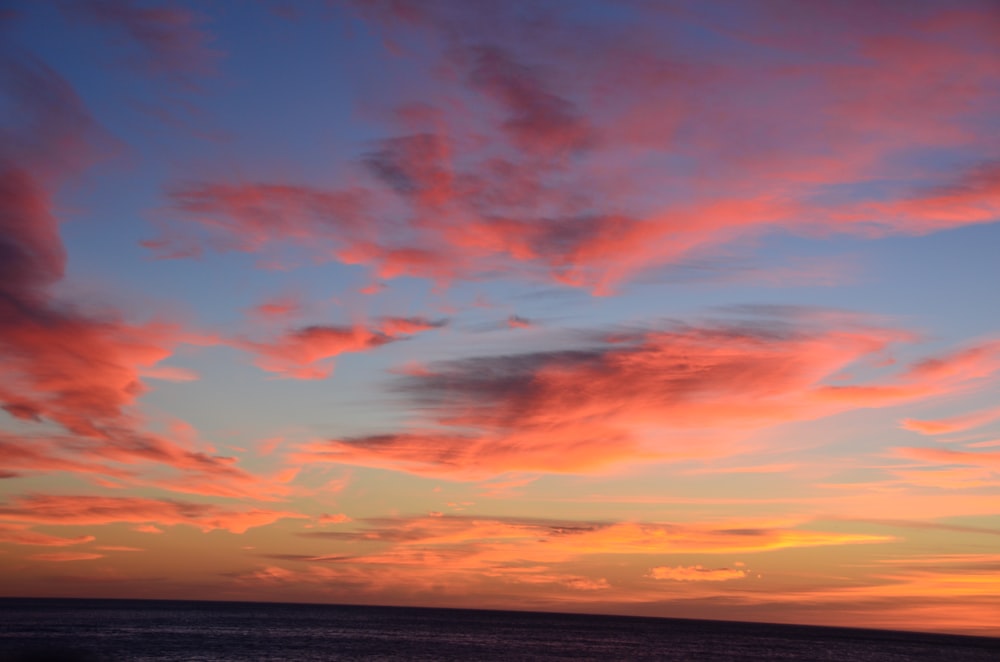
653	307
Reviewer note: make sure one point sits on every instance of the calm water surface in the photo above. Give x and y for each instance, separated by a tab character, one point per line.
160	631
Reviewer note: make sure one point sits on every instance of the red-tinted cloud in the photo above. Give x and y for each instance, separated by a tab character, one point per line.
304	353
537	120
278	308
946	456
31	455
952	423
21	535
678	392
547	163
518	322
463	552
61	363
77	510
58	363
696	573
62	557
165	38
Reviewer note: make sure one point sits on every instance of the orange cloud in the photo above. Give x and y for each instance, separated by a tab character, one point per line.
20	535
565	561
696	573
988	460
80	510
336	518
492	539
63	557
952	424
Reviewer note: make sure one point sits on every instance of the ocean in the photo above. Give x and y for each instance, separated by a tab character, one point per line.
46	630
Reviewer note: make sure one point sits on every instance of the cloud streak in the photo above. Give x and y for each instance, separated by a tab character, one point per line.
679	392
305	352
550	166
83	510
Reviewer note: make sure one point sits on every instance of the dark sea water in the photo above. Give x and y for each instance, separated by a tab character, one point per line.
100	630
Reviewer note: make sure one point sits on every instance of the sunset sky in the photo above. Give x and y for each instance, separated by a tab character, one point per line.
659	307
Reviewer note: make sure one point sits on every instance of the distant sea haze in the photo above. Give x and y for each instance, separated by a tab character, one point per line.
71	630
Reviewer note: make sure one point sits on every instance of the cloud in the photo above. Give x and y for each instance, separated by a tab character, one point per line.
304	353
946	456
189	471
43	455
20	535
81	510
60	363
696	573
477	555
539	540
165	39
336	518
952	424
545	164
415	166
278	308
537	120
63	557
674	392
518	322
973	196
